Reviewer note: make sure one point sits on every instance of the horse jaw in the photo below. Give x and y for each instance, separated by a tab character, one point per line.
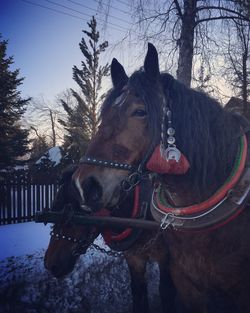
59	258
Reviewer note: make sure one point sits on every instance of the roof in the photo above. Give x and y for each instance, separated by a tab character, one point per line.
54	155
237	105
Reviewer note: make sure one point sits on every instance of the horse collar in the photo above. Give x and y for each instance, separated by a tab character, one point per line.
214	212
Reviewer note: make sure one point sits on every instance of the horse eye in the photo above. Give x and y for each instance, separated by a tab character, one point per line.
139	113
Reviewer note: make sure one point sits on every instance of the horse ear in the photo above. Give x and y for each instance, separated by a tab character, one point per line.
151	63
118	74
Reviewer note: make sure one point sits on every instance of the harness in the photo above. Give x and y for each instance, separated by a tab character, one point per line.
222	207
166	158
117	240
124	239
225	205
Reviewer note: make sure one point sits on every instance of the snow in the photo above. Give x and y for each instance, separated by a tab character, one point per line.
54	155
98	283
23	238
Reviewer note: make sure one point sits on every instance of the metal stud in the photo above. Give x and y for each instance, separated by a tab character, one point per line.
171	140
170	131
169	114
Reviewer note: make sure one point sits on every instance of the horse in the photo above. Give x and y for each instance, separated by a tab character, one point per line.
199	153
69	241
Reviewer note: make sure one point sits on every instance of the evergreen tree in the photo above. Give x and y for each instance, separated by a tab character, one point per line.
13	138
82	120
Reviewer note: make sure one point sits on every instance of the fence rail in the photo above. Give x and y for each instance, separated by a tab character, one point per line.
21	198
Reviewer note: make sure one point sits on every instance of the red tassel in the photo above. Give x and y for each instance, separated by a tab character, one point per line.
158	164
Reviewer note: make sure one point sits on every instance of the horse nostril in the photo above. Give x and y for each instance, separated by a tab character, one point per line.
92	191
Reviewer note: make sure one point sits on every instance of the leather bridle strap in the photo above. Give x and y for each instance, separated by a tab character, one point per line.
106	163
130	181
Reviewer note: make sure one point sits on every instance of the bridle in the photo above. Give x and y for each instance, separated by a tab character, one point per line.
81	243
136	173
116	241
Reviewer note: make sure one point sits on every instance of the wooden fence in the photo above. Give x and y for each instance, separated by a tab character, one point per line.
21	197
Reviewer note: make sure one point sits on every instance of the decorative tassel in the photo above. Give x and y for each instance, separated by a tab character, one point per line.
158	164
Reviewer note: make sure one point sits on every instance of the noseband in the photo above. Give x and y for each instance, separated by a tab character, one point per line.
135	173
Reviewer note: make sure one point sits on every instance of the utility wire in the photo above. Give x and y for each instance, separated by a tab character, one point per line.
54	10
125	12
86	7
73	10
65	13
121	2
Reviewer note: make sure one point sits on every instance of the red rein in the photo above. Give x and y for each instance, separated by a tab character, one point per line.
107	233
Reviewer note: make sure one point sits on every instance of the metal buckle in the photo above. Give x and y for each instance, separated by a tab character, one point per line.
131	181
167	220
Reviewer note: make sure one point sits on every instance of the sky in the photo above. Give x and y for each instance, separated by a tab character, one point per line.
44	39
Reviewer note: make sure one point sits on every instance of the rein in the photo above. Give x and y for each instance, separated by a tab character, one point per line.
101	221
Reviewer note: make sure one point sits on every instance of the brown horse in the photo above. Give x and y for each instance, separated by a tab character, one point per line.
69	241
152	122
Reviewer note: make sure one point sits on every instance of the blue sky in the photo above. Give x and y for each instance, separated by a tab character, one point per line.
45	43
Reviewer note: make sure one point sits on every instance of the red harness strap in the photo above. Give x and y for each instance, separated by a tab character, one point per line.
109	236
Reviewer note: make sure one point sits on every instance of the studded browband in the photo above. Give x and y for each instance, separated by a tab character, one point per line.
106	163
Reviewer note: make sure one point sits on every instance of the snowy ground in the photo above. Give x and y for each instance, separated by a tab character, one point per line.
98	284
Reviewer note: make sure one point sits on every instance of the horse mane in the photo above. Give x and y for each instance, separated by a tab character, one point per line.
206	133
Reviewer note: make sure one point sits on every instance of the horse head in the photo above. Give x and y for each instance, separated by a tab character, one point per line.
150	121
67	241
126	136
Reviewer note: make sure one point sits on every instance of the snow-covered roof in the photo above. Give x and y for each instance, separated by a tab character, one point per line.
54	155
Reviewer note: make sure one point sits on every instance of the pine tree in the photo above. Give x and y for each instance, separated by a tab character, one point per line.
82	120
13	138
38	148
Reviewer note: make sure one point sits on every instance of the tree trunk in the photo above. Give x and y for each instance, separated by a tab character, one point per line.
53	128
186	43
244	83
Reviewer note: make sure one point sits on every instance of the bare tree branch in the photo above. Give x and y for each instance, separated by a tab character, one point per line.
178	8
